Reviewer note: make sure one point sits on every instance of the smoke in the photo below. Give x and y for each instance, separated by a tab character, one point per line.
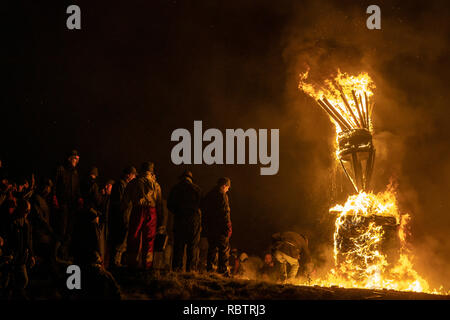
407	60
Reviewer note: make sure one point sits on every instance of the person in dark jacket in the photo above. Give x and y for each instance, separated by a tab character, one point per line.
90	191
7	206
104	219
85	245
88	222
268	270
5	188
184	201
67	199
44	238
143	199
4	269
25	189
118	219
19	247
217	224
287	248
96	282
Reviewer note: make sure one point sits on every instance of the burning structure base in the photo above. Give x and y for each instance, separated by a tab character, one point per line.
369	240
365	243
369	245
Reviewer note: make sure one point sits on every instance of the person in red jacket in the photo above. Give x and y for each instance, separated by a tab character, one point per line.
143	199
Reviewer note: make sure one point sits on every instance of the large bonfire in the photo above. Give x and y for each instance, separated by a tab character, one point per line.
370	248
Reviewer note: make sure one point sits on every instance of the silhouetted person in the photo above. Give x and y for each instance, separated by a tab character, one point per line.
144	201
184	201
96	281
25	189
119	218
268	271
67	198
90	191
7	205
44	238
104	219
217	224
5	186
88	220
5	261
234	261
19	246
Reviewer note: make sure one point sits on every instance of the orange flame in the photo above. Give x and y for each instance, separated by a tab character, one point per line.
349	95
359	258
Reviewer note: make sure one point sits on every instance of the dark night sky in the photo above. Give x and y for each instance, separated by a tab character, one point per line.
138	70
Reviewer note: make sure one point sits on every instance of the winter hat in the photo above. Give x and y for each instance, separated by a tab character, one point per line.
93	171
188	174
129	170
224	181
147	167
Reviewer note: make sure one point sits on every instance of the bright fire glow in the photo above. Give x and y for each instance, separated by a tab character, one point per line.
349	95
363	264
367	220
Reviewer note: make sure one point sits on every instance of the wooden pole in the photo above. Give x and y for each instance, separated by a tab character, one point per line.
331	114
367	110
363	110
344	98
332	108
357	108
348	176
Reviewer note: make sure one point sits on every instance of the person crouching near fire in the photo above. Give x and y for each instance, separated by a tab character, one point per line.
143	199
287	249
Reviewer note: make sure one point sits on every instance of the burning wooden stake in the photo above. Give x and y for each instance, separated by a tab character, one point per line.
344	98
363	110
331	114
367	110
347	126
357	108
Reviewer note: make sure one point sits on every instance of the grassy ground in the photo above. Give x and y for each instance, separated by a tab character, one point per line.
211	286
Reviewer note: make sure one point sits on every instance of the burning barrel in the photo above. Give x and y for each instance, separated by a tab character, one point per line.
365	240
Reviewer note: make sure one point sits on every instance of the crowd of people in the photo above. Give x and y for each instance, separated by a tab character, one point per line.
69	219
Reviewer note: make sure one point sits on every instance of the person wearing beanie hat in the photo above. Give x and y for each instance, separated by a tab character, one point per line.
130	172
216	225
90	190
187	174
45	240
104	219
91	212
287	248
184	202
118	218
147	167
143	201
20	248
67	199
93	172
224	181
73	158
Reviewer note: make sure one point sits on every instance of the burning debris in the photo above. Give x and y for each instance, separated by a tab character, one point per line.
369	241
